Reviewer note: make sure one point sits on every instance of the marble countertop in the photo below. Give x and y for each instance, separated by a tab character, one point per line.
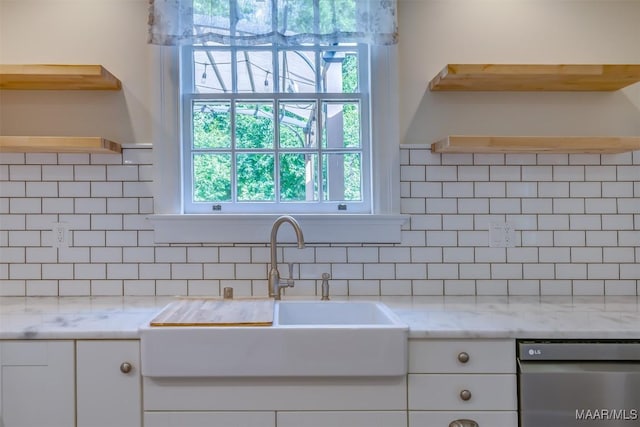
427	317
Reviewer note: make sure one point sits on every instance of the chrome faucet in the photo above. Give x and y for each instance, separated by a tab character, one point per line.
275	284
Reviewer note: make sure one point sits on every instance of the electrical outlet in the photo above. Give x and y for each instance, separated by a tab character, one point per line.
502	235
60	235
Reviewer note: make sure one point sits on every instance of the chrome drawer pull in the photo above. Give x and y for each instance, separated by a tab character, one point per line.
464	423
463	357
465	395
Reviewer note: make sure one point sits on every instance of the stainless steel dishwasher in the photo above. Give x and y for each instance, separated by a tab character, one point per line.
579	383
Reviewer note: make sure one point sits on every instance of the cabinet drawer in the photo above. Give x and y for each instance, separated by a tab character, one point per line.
445	392
343	419
444	418
462	356
199	419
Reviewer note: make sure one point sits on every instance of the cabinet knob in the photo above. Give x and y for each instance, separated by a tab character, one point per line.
463	423
126	367
463	357
465	395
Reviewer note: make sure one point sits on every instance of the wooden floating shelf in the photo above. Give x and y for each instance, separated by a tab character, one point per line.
535	77
57	144
57	77
536	144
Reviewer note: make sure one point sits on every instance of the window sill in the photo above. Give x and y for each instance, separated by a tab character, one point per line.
257	228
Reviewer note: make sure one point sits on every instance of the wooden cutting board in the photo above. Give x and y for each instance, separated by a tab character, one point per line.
216	312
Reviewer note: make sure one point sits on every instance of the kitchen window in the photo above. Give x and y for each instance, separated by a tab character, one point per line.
279	130
281	118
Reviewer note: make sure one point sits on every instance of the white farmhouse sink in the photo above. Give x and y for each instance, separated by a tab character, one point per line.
308	338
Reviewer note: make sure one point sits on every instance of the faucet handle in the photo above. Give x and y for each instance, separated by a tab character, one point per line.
290	282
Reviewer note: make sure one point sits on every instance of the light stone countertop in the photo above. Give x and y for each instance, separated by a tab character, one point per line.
427	317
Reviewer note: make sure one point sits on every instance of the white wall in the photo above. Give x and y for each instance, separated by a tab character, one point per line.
108	32
436	32
576	216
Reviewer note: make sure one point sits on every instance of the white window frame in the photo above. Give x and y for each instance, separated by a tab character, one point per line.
172	225
312	207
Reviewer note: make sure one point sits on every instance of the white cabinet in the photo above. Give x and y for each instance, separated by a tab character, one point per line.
462	379
37	383
199	419
267	402
108	383
343	419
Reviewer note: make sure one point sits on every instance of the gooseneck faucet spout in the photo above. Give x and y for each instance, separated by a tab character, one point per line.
275	284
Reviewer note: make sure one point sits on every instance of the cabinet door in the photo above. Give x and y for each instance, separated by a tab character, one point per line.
343	419
108	383
203	418
444	419
37	383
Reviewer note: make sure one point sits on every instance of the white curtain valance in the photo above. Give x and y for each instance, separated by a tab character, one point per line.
285	22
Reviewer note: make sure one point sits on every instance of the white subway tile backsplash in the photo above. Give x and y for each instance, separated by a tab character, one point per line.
524	287
459	287
491	287
61	205
395	287
57	271
41	189
89	238
116	270
121	238
490	189
427	287
457	189
441	206
522	189
568	173
620	287
106	189
537	173
571	206
537	206
574	271
591	255
585	222
41	288
620	255
473	206
569	238
179	287
555	287
475	271
107	255
411	271
555	255
538	271
506	206
602	238
40	255
139	287
588	287
70	255
442	271
577	222
584	159
458	254
25	205
73	159
89	173
456	159
441	173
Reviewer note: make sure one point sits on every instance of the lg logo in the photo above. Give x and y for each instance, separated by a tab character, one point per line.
534	352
